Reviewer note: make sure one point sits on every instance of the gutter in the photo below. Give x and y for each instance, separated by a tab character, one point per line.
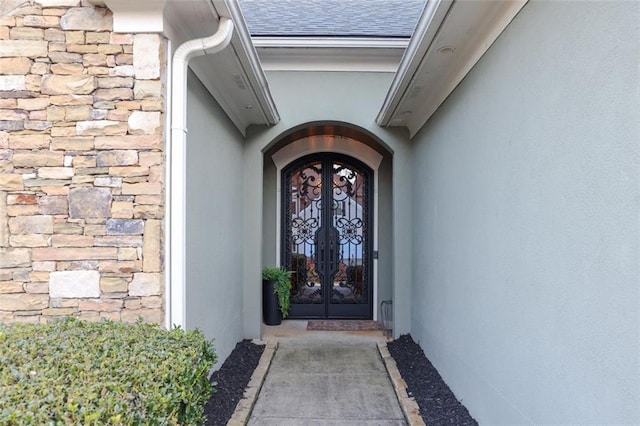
176	170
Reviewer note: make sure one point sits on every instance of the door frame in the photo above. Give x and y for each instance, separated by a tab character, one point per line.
333	144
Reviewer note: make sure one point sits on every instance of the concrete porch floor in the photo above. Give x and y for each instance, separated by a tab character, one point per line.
327	378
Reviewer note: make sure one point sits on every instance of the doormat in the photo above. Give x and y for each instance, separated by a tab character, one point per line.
344	325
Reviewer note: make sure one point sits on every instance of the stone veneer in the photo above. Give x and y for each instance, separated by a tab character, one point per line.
81	165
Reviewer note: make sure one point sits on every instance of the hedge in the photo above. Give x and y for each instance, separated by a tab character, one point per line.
76	372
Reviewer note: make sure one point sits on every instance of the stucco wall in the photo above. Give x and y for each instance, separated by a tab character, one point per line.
213	225
526	241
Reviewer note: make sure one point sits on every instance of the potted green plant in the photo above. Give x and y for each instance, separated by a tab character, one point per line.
276	289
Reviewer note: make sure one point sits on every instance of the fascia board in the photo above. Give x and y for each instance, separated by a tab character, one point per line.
424	79
427	27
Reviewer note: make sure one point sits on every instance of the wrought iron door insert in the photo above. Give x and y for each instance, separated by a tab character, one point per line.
327	236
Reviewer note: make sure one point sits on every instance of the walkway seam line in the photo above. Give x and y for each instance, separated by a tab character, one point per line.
408	404
245	406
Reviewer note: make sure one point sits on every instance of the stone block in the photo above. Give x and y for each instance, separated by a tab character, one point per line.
74	38
151	302
151	158
88	161
87	18
122	71
13	114
11	182
79	143
113	285
39	21
65	58
74	284
120	38
7	287
4	221
22	199
120	267
148	212
44	266
151	249
116	94
31	225
71	254
106	305
15	66
110	182
129	171
125	226
53	205
145	123
147	89
22	210
127	253
115	82
147	56
37	141
34	104
122	210
39	68
129	142
58	312
38	159
26	33
148	315
23	48
117	158
11	126
23	302
55	84
119	241
89	202
101	128
78	113
92	59
12	82
145	284
72	241
54	34
96	38
67	69
141	188
37	287
58	3
56	172
14	258
29	240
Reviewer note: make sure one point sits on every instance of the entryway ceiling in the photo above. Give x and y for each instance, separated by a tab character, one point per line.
450	37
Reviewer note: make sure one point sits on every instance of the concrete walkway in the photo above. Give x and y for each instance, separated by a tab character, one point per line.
326	378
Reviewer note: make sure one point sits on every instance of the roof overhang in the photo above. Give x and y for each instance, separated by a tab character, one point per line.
450	37
233	76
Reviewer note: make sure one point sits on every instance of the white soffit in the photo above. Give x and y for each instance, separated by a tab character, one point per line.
330	53
450	38
233	76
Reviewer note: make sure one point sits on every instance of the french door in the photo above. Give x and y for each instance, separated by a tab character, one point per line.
327	236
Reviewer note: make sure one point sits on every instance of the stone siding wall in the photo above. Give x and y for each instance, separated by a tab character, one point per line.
81	165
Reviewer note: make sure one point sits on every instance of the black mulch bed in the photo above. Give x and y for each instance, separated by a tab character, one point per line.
438	405
231	380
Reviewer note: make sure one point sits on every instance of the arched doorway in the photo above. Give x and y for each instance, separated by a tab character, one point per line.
327	236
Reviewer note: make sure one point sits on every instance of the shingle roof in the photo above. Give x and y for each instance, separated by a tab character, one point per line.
331	18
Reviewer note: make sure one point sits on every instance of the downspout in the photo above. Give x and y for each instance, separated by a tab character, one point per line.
176	172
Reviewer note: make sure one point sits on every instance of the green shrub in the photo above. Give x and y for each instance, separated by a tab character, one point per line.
76	372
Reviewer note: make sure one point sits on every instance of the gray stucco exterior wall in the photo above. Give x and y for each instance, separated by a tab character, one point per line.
526	222
214	278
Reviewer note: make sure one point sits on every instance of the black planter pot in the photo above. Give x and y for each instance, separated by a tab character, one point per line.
271	313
